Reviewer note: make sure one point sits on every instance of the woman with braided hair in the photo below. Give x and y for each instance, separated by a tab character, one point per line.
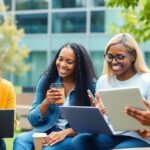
73	67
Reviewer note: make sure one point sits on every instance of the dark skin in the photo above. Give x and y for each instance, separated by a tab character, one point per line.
125	71
122	70
142	116
65	63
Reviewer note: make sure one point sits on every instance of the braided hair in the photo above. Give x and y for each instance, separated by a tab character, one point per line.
84	73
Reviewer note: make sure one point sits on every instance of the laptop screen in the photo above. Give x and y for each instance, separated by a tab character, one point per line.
6	123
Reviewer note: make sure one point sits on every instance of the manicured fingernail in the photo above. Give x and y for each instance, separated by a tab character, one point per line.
45	145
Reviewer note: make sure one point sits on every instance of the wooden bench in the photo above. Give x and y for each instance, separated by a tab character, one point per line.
23	105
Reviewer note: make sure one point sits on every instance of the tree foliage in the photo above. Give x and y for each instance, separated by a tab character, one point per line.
136	14
12	52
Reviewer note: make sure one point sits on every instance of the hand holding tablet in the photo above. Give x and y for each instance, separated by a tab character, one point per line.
115	101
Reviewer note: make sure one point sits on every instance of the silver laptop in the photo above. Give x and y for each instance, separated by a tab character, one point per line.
85	119
115	101
6	123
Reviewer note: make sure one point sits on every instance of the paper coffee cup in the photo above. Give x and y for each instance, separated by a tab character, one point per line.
38	140
59	86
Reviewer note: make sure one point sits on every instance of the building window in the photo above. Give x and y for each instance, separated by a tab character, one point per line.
68	3
97	21
147	56
97	3
1	19
32	23
97	58
8	4
69	22
31	77
31	4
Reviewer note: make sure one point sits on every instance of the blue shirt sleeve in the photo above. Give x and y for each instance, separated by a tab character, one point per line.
35	117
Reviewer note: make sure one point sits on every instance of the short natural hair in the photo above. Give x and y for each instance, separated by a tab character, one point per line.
129	42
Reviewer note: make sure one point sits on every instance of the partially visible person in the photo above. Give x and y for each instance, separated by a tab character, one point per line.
7	101
73	67
124	66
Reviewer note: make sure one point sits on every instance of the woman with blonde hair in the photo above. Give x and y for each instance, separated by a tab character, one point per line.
129	42
124	66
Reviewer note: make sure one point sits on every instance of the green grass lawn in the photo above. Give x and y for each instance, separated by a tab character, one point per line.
9	141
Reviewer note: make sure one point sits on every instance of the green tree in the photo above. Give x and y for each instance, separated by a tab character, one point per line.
136	15
12	52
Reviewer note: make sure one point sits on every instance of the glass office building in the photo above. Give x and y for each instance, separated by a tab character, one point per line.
48	24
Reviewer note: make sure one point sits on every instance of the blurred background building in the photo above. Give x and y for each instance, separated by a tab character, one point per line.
48	24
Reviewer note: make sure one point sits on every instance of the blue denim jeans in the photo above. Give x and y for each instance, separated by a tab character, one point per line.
89	141
24	141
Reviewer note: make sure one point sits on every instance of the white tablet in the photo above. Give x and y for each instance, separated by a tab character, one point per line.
115	101
85	119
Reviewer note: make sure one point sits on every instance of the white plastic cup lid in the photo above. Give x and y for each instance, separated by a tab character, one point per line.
39	135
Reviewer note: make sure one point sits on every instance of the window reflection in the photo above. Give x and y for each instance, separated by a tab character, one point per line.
31	4
32	23
96	56
31	77
97	21
147	56
1	18
68	3
97	2
8	4
68	22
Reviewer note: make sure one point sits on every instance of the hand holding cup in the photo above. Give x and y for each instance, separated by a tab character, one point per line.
55	95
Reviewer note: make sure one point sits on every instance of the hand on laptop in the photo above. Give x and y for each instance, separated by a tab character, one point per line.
143	116
58	136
